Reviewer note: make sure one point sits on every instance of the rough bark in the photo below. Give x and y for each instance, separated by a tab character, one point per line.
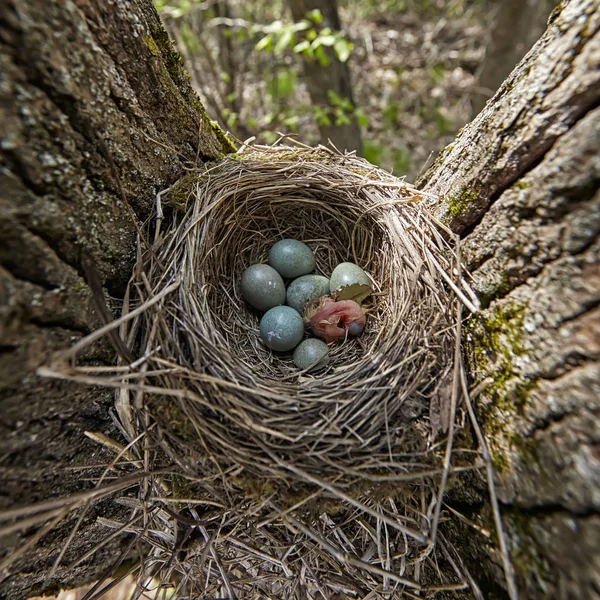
521	186
96	116
335	76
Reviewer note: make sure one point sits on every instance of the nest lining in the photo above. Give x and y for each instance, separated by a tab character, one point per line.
259	441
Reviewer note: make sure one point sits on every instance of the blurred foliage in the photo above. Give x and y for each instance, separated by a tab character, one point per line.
413	64
244	60
422	8
280	36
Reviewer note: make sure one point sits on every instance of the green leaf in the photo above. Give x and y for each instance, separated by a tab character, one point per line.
324	40
321	115
232	120
292	122
264	43
373	152
315	15
357	292
302	46
284	41
341	118
343	48
362	118
270	136
402	160
274	27
334	97
322	56
283	83
189	38
436	72
301	25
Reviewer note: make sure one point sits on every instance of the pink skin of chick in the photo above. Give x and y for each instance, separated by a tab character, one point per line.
334	320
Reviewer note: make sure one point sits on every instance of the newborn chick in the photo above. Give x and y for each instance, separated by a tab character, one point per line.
332	319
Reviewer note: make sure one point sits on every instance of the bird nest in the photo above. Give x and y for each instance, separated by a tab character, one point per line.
259	478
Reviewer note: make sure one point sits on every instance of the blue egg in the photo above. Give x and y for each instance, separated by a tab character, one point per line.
347	273
282	328
262	287
291	258
305	290
311	352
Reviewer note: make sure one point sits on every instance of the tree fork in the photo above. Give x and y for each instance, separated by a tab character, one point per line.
104	118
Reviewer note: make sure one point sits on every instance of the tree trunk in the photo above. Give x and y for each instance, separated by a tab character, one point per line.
521	185
334	77
517	25
96	116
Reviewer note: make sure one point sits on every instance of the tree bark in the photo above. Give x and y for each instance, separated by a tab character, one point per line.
335	77
96	116
521	186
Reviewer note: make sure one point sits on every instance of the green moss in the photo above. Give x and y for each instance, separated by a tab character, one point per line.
182	191
522	185
501	332
460	203
500	460
496	340
160	45
227	143
179	75
152	45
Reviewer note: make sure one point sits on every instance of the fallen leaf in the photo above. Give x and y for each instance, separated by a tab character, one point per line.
357	292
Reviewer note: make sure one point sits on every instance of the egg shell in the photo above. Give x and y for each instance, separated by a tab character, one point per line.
347	273
291	258
282	328
262	287
305	290
308	352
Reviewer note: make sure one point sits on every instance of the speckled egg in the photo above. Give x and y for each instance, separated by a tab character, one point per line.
347	273
305	290
262	287
282	328
291	258
310	351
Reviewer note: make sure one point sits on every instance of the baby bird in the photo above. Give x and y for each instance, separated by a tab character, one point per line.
331	320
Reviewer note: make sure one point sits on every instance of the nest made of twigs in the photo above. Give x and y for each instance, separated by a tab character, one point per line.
252	407
330	482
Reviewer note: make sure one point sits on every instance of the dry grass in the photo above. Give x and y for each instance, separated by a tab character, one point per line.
257	480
